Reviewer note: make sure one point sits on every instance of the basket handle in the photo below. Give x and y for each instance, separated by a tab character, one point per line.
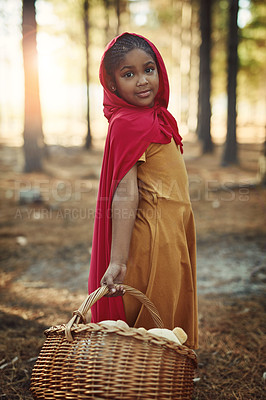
97	295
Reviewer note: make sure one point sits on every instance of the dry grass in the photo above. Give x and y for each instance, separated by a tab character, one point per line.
231	356
20	342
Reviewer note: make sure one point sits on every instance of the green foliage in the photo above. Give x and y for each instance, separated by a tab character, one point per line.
252	55
251	48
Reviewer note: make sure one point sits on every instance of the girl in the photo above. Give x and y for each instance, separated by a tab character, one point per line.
144	233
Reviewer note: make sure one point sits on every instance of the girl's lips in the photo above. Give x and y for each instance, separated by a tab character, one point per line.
144	94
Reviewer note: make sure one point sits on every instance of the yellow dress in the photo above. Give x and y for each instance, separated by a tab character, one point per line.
162	257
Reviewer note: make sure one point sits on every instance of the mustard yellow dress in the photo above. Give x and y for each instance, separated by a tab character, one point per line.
162	257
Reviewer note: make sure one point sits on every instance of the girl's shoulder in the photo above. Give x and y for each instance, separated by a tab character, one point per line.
163	152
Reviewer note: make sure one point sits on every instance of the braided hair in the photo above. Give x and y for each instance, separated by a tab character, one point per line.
121	47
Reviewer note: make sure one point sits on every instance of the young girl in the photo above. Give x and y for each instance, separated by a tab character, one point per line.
144	233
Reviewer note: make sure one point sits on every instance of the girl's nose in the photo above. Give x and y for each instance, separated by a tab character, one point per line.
142	80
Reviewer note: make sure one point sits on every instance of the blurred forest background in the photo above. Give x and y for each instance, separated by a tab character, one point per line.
61	56
52	133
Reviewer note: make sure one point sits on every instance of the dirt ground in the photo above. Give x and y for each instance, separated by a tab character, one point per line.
46	223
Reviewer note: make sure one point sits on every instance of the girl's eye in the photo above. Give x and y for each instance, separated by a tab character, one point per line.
149	70
128	74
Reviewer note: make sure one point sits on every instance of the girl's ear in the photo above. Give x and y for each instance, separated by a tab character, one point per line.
112	85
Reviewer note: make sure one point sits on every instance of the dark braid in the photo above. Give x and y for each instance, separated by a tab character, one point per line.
122	46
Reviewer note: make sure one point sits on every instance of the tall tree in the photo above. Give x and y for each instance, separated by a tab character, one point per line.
107	20
230	152
118	14
33	133
204	105
87	42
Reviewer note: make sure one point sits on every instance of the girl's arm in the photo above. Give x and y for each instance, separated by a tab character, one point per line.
124	208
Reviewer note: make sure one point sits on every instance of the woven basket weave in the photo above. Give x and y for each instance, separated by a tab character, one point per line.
92	361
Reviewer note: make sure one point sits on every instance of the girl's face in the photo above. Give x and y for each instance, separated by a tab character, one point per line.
137	79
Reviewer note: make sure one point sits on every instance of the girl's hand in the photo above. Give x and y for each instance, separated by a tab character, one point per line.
114	275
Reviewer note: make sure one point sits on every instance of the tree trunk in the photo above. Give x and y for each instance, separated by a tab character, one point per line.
204	106
107	20
87	42
33	134
176	55
230	152
185	59
118	12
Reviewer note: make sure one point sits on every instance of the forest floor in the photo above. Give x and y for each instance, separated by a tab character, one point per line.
45	252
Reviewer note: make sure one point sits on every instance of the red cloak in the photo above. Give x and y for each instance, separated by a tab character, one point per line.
131	130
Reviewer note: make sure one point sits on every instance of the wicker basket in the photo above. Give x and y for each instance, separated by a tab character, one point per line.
92	361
